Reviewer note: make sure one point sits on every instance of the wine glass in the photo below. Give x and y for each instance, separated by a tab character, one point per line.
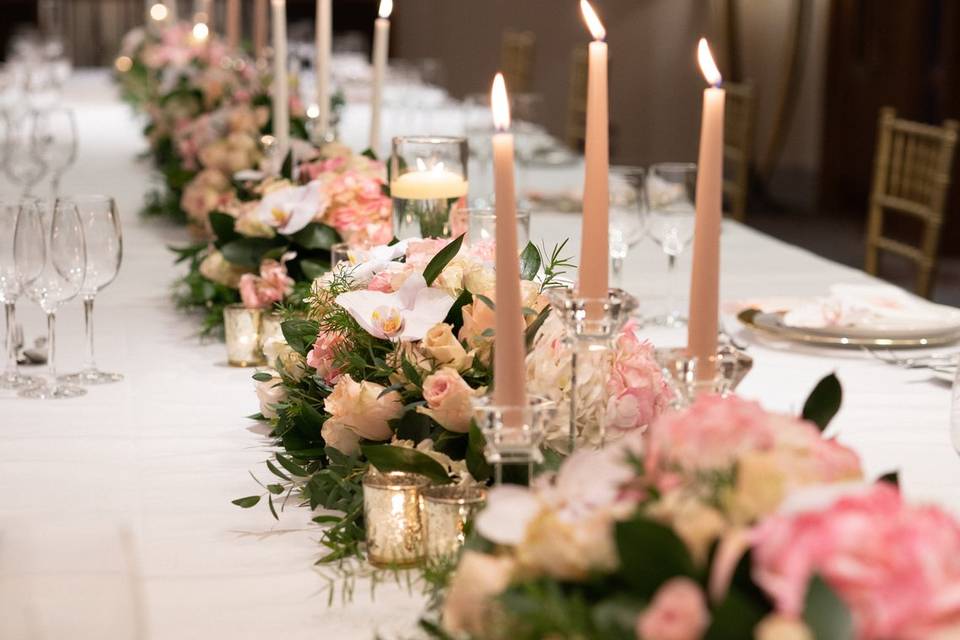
51	263
11	378
627	205
54	134
104	242
21	162
671	197
478	129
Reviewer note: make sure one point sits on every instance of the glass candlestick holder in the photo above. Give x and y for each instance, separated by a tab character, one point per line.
428	185
241	328
391	513
681	369
514	435
445	512
593	326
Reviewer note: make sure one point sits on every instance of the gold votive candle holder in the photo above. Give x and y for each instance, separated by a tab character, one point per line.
270	328
391	512
445	511
241	328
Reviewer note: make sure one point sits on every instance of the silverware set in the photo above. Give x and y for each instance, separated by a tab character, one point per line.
37	354
945	363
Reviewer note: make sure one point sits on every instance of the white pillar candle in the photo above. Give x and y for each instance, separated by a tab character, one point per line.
381	43
509	379
281	82
324	46
435	183
594	235
702	327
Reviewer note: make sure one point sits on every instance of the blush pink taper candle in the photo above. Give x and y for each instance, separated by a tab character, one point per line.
509	381
595	230
260	27
705	278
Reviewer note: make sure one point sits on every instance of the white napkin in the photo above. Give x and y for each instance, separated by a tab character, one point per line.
873	307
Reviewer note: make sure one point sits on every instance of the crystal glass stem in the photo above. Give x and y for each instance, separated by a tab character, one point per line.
674	314
88	331
11	365
52	347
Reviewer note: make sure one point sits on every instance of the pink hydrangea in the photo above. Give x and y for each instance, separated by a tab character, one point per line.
638	393
896	566
358	209
421	251
321	356
272	285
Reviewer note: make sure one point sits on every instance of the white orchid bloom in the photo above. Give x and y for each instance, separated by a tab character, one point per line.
509	510
364	264
291	209
415	307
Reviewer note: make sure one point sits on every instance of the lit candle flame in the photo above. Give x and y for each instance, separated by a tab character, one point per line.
592	20
386	8
707	66
158	12
500	104
200	31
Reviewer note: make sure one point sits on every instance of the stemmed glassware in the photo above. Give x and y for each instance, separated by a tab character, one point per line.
11	378
671	197
626	214
51	263
54	133
104	243
21	162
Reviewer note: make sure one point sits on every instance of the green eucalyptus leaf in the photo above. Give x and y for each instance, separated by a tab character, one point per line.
531	332
300	334
388	458
650	554
262	376
275	489
436	265
735	617
286	170
411	373
313	269
825	613
223	227
291	466
247	252
477	463
824	401
246	503
530	262
893	478
316	235
273	469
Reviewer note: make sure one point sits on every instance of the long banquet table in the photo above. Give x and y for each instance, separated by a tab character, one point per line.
116	519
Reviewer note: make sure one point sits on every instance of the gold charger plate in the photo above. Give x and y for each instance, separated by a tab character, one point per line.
771	325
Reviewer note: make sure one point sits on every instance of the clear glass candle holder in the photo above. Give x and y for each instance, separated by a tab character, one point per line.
681	369
391	512
428	185
241	327
593	326
480	224
514	435
445	511
270	328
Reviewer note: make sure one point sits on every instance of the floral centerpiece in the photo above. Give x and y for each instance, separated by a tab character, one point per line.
269	233
384	368
722	521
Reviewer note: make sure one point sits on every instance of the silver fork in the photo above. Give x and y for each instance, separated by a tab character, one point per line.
944	363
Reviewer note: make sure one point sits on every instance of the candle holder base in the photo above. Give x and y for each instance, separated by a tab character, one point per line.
513	435
682	369
593	325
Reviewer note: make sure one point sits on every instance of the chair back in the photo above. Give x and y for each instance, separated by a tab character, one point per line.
576	128
738	117
517	50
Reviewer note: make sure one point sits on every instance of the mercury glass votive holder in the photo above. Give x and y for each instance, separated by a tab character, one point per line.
593	326
241	327
391	512
682	371
445	512
270	328
513	435
428	185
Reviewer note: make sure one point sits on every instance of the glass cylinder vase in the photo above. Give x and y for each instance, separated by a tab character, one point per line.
480	224
593	326
428	185
241	329
391	513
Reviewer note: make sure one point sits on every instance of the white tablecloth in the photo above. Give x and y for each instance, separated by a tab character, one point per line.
115	518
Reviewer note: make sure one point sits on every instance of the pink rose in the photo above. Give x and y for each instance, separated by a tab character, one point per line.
478	318
678	611
896	566
448	399
360	407
272	285
321	356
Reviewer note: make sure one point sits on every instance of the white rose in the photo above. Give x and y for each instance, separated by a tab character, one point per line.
441	345
270	392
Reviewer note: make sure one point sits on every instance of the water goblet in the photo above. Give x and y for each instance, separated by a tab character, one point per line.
51	263
104	242
626	215
11	378
55	141
671	196
21	162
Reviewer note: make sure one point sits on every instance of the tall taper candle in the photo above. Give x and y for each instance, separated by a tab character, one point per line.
595	230
281	80
705	278
509	381
324	46
233	23
261	21
381	41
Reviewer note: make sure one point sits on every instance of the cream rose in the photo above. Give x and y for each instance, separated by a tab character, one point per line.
479	278
469	604
282	356
478	317
442	346
340	437
216	268
568	550
269	393
359	406
780	627
448	399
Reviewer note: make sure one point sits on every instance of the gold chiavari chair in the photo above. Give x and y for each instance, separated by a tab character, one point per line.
577	100
517	49
737	143
911	178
